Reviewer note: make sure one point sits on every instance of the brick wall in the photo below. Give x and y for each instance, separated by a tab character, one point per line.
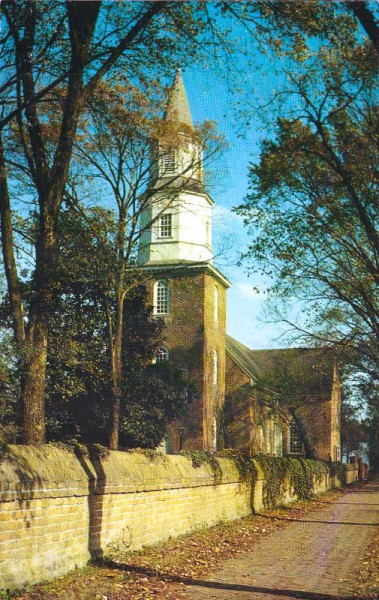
57	511
192	335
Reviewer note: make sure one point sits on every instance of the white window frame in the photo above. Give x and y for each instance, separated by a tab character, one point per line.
165	225
268	436
161	355
214	434
278	440
337	453
162	302
260	438
214	367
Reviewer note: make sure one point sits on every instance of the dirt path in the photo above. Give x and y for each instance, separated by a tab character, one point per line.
314	558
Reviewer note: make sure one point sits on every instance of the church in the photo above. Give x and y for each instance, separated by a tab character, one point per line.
189	294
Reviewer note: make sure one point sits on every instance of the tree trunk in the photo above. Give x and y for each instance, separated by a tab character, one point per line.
116	345
115	355
41	308
115	416
366	19
10	266
33	385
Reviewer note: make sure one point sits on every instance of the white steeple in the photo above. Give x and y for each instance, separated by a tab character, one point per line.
179	209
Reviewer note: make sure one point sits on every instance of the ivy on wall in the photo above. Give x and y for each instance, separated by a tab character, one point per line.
299	474
244	464
338	469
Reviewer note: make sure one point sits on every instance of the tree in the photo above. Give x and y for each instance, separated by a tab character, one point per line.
63	64
9	422
353	431
364	392
78	390
114	154
313	207
79	382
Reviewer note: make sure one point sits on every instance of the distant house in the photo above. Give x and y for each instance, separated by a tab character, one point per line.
189	294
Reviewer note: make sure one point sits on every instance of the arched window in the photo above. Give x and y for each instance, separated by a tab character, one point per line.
278	439
268	440
165	447
214	434
260	438
215	304
161	354
214	367
161	297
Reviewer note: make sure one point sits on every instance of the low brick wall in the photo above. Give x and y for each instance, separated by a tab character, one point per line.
57	510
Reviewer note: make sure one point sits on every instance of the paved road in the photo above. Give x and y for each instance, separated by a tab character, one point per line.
314	558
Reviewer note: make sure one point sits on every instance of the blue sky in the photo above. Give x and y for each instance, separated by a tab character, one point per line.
210	99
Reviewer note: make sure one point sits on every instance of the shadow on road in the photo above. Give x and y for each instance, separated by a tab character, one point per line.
351	503
320	522
233	587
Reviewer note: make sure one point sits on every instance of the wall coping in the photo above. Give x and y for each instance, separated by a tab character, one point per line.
28	472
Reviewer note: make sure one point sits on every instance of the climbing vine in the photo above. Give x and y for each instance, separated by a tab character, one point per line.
198	458
299	474
338	469
4	450
92	451
244	464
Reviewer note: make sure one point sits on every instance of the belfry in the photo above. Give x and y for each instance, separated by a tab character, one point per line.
187	291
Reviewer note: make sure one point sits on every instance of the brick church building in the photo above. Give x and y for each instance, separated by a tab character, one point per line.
189	293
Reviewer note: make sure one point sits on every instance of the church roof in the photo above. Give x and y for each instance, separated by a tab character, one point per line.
241	355
177	109
258	364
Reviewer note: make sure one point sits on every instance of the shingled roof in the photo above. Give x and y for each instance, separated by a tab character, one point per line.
178	110
241	355
258	364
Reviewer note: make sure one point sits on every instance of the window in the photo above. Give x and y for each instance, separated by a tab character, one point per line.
260	438
296	445
268	439
215	304
162	298
168	162
214	367
278	440
161	355
337	453
165	226
214	434
165	447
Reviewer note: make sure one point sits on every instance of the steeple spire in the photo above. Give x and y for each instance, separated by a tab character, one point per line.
177	110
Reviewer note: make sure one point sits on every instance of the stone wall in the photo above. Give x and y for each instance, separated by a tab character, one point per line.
58	510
